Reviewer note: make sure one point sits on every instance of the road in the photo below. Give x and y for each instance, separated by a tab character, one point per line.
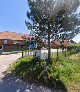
6	60
9	83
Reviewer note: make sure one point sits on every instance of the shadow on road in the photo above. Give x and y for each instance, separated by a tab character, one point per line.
9	83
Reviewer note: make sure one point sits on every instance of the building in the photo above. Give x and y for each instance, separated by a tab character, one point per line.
57	44
13	40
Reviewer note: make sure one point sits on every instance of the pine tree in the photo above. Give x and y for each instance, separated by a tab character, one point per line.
50	20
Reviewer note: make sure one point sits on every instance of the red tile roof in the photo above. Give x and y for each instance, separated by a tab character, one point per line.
66	43
55	44
13	36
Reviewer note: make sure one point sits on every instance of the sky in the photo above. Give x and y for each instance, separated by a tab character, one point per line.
13	16
77	38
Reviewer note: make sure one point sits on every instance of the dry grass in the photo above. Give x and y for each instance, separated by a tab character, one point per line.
75	57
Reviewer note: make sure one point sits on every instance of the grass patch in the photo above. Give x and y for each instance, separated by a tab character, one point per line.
75	57
64	72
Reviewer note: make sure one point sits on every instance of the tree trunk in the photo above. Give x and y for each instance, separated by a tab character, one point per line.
65	51
57	54
22	53
49	48
62	50
70	50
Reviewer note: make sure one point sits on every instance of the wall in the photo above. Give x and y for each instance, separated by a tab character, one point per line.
13	47
10	46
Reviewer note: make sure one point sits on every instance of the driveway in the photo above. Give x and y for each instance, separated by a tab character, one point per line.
6	60
9	83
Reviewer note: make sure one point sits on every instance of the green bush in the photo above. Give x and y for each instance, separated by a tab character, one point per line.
53	75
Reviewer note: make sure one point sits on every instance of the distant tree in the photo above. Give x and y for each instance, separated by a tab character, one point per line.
50	18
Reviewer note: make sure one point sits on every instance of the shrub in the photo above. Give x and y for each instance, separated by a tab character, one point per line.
53	75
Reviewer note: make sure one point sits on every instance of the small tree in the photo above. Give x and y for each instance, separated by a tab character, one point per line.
50	18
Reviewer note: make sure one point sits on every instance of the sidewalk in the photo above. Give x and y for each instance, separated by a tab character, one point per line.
9	83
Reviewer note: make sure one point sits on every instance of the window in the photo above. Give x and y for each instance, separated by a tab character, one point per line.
14	42
1	47
28	38
14	36
32	38
5	41
5	37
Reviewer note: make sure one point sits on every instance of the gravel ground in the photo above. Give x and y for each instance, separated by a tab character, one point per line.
6	60
9	83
